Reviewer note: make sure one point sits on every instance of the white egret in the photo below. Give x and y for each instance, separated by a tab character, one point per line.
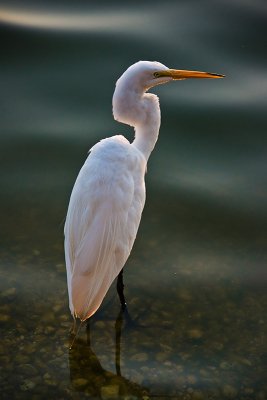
109	194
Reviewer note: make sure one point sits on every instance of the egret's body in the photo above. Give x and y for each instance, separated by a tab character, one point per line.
105	211
109	194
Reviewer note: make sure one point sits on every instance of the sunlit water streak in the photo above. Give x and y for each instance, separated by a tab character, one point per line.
81	22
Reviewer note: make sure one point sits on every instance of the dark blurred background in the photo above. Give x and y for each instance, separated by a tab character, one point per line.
59	64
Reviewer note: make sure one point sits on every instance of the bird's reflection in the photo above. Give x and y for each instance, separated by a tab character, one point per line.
88	375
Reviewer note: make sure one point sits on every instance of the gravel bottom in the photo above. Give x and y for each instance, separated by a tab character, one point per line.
185	341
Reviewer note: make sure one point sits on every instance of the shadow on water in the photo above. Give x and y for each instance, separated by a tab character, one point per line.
87	374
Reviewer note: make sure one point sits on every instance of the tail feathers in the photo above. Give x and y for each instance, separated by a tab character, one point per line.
85	306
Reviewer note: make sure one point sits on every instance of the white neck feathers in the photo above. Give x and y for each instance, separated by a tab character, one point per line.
140	110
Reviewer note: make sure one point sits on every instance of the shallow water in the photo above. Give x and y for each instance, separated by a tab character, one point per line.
196	279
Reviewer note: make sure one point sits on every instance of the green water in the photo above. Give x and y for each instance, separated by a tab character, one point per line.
196	280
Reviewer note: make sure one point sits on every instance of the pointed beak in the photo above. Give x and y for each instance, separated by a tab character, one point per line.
179	74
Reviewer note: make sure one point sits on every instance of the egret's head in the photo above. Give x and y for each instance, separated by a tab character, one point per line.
143	75
136	80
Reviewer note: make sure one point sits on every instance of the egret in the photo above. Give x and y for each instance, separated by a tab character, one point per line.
108	196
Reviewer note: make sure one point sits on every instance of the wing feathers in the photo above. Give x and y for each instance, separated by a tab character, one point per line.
95	269
102	221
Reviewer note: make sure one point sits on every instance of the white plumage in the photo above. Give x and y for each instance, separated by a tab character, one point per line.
109	194
103	217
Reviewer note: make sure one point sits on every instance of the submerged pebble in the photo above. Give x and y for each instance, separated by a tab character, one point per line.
80	382
27	369
140	357
27	385
195	333
191	379
9	292
225	365
109	392
4	317
161	357
229	391
197	395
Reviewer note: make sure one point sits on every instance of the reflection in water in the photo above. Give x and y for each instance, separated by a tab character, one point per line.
87	374
118	327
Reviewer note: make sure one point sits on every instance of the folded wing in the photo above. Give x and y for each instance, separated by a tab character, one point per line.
101	225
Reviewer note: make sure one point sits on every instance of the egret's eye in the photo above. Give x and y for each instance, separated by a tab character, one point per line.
156	74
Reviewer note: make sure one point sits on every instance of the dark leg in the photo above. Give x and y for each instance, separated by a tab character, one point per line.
124	309
120	287
73	328
74	333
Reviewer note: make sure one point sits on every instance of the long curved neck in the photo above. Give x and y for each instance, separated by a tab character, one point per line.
147	129
142	111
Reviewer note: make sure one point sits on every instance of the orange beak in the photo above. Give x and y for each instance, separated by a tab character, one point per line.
179	74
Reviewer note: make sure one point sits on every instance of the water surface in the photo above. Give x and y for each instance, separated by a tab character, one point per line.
196	279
